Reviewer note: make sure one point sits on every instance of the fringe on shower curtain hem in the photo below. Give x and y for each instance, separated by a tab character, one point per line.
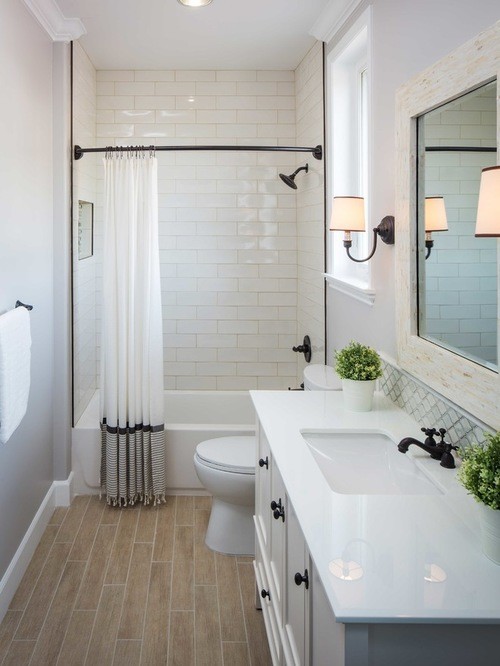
133	464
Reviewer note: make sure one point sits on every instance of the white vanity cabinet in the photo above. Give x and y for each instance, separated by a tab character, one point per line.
285	578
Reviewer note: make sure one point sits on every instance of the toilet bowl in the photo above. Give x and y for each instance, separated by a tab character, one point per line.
226	468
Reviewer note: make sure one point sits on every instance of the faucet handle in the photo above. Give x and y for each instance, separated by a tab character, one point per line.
447	459
430	432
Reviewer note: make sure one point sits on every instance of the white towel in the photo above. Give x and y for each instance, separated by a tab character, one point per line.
15	357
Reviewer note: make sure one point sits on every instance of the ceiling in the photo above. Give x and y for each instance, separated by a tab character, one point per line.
228	34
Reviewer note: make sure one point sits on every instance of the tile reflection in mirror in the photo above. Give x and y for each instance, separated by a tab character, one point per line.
458	295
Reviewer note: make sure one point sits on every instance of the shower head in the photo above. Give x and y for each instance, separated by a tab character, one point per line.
290	180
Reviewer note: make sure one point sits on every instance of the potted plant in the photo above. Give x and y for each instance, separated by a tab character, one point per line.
480	475
359	367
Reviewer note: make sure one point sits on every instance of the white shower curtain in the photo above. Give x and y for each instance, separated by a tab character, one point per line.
132	412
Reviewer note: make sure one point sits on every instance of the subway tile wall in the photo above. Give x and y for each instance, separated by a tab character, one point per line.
310	207
84	270
228	224
461	272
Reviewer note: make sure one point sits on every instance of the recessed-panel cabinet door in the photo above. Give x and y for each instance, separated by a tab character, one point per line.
263	489
296	602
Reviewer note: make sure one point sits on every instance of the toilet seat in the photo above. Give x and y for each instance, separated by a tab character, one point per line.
228	454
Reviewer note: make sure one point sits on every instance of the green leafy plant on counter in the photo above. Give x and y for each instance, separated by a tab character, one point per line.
480	470
358	362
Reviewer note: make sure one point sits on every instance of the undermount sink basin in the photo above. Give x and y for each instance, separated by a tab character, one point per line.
366	463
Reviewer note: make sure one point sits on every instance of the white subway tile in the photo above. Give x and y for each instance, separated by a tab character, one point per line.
113	102
237	298
177	88
133	116
197	354
257	369
257	313
196	384
237	102
236	75
134	88
175	116
216	312
248	327
195	102
195	75
216	369
217	341
216	88
114	75
216	116
196	326
236	383
155	75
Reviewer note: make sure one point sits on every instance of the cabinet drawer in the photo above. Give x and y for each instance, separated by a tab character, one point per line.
268	613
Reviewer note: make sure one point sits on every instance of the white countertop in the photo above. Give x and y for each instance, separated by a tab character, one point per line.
394	538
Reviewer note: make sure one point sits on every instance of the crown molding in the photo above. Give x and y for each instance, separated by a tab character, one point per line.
332	18
50	17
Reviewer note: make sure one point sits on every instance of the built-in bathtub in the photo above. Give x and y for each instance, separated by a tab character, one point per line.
190	418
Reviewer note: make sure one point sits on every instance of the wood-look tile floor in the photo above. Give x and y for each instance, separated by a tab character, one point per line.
133	587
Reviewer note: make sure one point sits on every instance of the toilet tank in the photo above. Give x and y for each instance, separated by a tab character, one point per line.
321	378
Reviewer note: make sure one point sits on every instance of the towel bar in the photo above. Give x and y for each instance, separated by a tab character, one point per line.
23	305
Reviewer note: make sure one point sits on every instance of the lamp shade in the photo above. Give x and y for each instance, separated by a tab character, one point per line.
348	214
435	214
488	208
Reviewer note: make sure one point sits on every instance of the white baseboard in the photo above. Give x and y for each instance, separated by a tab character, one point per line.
59	494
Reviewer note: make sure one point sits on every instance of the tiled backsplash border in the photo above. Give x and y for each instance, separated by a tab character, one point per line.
429	408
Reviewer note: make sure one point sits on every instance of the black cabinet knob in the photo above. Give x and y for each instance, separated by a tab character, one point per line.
278	510
299	578
264	462
265	593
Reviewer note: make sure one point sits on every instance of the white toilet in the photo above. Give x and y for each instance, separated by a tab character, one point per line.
226	468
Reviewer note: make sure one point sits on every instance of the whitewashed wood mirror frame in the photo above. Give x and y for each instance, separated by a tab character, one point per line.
473	387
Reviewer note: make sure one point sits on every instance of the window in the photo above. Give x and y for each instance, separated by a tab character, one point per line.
348	118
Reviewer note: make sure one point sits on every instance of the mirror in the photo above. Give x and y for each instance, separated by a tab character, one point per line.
452	370
457	273
85	229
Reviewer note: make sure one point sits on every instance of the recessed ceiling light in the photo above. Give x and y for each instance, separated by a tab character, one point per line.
195	3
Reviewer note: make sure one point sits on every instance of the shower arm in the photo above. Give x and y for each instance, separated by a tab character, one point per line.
317	151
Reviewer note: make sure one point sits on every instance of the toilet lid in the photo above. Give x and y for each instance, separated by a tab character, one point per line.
234	454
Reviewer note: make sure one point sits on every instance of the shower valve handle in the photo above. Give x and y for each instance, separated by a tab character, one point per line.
304	348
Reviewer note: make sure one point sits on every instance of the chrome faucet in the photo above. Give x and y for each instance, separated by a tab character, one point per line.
440	451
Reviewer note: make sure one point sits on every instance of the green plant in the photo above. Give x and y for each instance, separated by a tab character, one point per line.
358	362
480	471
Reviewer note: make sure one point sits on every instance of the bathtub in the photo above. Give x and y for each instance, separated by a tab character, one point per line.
190	417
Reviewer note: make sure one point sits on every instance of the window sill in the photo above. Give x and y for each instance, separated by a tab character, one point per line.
357	291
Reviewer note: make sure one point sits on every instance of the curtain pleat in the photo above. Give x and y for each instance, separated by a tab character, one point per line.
132	412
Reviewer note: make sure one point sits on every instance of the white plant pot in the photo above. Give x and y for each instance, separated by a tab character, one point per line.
489	520
358	396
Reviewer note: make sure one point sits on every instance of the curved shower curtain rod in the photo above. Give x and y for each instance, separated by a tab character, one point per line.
317	151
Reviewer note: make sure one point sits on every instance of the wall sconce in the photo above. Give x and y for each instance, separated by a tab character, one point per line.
488	208
435	220
348	214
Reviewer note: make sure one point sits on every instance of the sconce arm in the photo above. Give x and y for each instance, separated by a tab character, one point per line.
347	245
386	232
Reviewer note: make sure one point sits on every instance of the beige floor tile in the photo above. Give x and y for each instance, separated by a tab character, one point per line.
103	639
235	654
86	534
111	514
232	622
76	641
256	631
207	635
165	526
183	569
19	653
204	558
23	592
181	645
122	548
136	593
154	612
59	515
45	588
203	502
185	510
155	640
127	653
90	591
146	527
57	620
8	629
72	521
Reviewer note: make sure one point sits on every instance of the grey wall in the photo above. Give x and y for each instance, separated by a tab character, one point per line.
407	37
26	254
